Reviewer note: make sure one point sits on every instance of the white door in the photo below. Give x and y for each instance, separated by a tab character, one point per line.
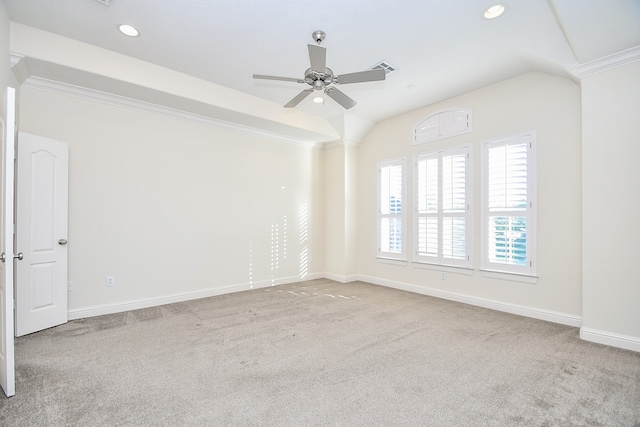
41	233
7	125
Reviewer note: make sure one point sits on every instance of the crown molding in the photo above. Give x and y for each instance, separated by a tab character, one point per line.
606	63
14	58
19	67
340	143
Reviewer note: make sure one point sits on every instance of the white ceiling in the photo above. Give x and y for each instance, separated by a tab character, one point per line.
441	48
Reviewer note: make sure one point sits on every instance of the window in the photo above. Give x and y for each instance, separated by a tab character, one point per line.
391	211
442	227
508	200
443	124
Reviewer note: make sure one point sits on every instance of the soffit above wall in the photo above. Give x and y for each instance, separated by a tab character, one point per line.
70	81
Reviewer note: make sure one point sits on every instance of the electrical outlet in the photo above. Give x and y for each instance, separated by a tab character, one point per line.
70	286
111	281
442	275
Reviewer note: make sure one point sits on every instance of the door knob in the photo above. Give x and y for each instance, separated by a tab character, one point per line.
19	257
62	242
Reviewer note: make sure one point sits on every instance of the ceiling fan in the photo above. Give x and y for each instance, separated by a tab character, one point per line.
319	77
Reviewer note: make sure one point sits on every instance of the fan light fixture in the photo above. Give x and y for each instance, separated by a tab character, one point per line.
494	11
128	30
318	99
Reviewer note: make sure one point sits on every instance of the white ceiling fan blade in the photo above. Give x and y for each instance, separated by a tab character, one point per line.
340	97
284	79
299	97
318	57
361	76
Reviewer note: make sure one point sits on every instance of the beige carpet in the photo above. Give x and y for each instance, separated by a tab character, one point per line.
320	353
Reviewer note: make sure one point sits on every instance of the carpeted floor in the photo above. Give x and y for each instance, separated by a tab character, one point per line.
320	353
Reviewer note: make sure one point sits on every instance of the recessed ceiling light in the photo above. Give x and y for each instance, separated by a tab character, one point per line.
318	99
494	11
128	30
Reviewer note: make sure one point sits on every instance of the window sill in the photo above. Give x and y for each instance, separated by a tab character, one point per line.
513	277
446	268
392	261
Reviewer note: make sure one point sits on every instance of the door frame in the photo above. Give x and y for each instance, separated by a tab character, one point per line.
7	376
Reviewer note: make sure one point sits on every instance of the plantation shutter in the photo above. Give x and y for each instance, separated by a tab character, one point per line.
508	205
454	206
442	207
391	211
443	124
428	205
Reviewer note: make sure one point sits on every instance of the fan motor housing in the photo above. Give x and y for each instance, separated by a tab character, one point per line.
318	80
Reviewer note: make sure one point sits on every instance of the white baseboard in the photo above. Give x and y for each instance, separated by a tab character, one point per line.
341	279
119	307
521	310
609	338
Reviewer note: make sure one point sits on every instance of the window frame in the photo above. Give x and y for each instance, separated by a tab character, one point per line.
402	255
530	266
440	259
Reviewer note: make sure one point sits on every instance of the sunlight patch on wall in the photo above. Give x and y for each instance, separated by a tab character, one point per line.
275	252
250	264
279	251
304	235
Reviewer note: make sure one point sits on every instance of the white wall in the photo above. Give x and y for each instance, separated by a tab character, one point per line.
546	103
611	191
351	212
6	75
340	212
334	211
170	206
